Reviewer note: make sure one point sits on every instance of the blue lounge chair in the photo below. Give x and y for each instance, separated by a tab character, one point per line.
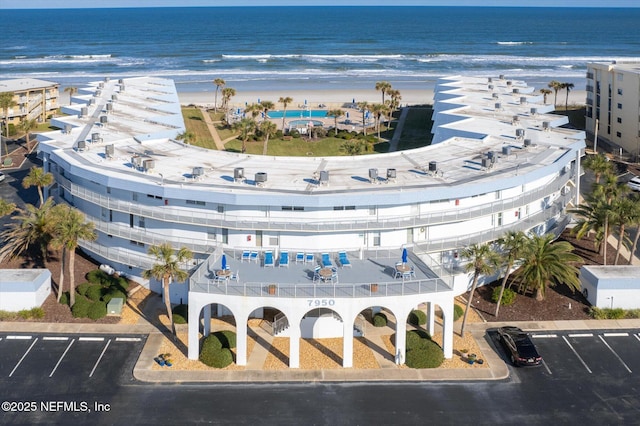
235	277
326	261
316	274
299	257
253	256
284	259
344	260
334	275
245	256
309	258
268	259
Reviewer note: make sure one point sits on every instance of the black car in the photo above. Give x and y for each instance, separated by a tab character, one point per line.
519	346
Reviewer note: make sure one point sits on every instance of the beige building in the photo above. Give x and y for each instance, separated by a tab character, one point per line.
613	99
35	99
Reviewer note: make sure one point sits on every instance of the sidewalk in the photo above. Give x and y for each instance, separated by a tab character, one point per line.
498	369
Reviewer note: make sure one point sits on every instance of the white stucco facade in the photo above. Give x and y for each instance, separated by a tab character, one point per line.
24	288
612	286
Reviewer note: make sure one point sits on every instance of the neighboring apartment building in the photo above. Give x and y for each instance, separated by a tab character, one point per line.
499	161
35	99
613	99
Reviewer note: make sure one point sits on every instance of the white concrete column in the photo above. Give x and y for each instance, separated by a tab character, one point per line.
576	178
347	345
431	317
401	338
447	329
294	345
206	326
193	341
241	339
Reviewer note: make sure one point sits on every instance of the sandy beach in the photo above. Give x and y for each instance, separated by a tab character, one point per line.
336	98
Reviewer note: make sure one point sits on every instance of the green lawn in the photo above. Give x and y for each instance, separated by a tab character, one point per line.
195	123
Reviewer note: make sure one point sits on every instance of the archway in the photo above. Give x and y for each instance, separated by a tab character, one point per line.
268	331
375	328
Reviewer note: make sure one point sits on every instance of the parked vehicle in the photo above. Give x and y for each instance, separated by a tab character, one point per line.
2	176
519	346
634	183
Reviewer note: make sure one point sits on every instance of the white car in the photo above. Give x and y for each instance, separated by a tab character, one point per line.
1	176
634	183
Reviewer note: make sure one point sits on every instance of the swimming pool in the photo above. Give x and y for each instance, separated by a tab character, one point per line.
299	113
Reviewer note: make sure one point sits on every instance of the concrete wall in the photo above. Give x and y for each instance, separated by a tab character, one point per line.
24	289
611	286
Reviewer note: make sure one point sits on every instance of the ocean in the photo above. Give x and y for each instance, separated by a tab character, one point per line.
316	48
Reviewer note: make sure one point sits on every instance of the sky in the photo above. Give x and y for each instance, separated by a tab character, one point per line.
54	4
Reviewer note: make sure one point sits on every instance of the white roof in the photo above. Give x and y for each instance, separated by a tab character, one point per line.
22	84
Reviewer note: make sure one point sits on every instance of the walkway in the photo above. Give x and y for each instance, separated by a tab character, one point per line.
212	129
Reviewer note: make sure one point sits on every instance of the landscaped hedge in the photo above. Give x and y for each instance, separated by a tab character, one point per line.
181	314
80	308
615	313
380	320
94	292
422	352
417	317
458	312
93	296
508	296
97	310
216	347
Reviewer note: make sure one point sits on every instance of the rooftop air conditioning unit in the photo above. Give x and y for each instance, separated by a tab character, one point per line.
109	150
238	173
520	133
114	97
527	142
545	125
136	161
67	128
515	119
534	111
122	87
197	172
120	81
98	93
84	111
107	79
509	82
501	76
373	175
523	100
92	101
391	173
516	90
82	145
103	119
490	87
498	105
95	137
490	79
101	85
324	177
260	178
506	150
492	156
148	165
433	166
109	107
486	163
495	96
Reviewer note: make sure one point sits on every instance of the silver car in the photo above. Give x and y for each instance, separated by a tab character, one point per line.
1	176
634	183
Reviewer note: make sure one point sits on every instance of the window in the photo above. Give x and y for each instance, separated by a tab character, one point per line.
225	236
376	239
295	208
620	92
220	208
349	207
498	194
618	134
108	190
134	196
157	197
136	243
273	241
619	105
619	120
195	202
141	223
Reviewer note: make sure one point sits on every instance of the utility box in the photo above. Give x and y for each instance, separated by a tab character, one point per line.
114	307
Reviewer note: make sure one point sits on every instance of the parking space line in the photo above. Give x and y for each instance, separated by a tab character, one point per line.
547	367
18	337
54	338
614	352
616	334
23	357
91	339
576	354
62	356
100	357
127	339
544	336
581	335
637	337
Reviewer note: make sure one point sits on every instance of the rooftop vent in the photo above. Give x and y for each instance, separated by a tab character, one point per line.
509	82
109	107
486	163
490	87
498	106
260	178
82	145
506	150
433	166
103	119
148	165
534	111
95	137
494	95
373	175
527	142
515	90
197	172
490	79
84	111
391	173
520	133
501	76
515	119
523	100
238	173
67	128
114	97
109	150
324	177
546	125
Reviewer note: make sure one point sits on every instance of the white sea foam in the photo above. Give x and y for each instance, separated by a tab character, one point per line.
513	43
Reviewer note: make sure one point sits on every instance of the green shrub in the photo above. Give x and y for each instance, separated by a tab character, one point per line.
97	276
211	342
508	296
81	307
606	313
227	338
458	312
122	283
64	298
37	313
633	313
82	288
181	314
94	292
616	313
417	317
429	355
379	320
112	294
97	310
216	358
415	338
7	316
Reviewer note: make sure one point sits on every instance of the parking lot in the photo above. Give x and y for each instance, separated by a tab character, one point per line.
39	357
590	353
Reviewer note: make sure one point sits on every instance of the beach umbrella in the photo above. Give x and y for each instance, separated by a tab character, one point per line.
347	114
353	101
224	262
305	101
404	255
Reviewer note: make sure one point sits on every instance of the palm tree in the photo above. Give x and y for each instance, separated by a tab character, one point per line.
591	218
72	91
599	164
69	228
246	126
384	87
512	244
6	208
38	178
168	269
219	83
546	263
483	261
254	110
623	212
30	228
635	220
285	101
266	107
267	129
377	110
395	96
335	113
227	94
187	136
545	93
556	86
567	87
609	191
6	103
27	126
363	107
